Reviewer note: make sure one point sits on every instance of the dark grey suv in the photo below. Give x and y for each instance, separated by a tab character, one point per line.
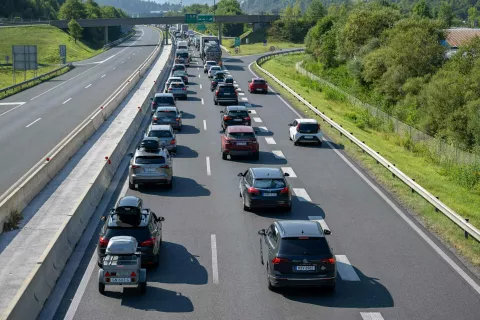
296	253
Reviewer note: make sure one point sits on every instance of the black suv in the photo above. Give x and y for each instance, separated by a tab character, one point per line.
129	218
235	116
225	93
296	253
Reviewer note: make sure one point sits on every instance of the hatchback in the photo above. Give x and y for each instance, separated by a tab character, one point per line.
207	66
265	188
296	253
239	141
165	135
171	80
305	131
235	115
162	100
168	115
179	67
213	70
257	85
179	90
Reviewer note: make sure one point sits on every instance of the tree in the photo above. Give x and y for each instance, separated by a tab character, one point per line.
472	16
75	30
445	13
421	9
315	11
72	9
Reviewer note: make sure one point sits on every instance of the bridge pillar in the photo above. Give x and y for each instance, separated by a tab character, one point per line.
106	35
220	33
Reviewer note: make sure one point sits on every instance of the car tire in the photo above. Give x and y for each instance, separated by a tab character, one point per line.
101	288
265	92
180	128
131	185
224	156
100	265
270	286
295	143
256	156
156	261
288	209
320	143
236	102
170	185
143	287
215	102
331	288
245	208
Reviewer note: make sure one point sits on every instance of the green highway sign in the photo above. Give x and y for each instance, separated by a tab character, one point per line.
205	18
191	18
201	27
237	42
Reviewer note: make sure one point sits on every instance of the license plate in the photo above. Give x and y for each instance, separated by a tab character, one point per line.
308	137
226	93
269	194
238	120
150	169
259	89
120	280
305	268
241	143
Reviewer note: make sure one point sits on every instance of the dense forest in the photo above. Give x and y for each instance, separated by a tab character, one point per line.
142	7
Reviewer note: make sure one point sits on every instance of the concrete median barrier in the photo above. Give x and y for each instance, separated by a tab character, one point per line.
30	294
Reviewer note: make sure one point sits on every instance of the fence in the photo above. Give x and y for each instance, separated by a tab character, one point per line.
442	151
468	228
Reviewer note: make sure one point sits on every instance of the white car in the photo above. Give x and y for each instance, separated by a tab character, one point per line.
171	80
213	71
305	131
208	65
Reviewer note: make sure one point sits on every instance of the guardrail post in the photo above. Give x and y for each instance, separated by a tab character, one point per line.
466	233
413	191
436	209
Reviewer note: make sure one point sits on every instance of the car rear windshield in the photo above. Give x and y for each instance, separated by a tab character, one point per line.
149	160
269	183
160	134
211	63
178	67
237	113
308	127
179	74
183	55
241	135
139	233
215	68
164	100
176	85
310	246
166	113
230	89
259	81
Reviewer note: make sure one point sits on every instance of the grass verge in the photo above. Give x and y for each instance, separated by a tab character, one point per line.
257	48
394	148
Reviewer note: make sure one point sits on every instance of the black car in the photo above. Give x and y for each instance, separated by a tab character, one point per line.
225	93
234	116
265	188
296	253
129	218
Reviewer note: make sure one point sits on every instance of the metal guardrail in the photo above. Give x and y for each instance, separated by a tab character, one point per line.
30	81
439	206
117	42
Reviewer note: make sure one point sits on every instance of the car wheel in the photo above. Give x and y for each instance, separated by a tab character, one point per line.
100	265
245	208
143	287
156	260
295	143
131	185
288	209
320	143
265	92
180	128
215	102
224	156
256	156
101	287
236	102
270	287
170	184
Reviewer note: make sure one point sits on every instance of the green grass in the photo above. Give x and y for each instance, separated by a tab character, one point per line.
47	39
256	48
394	148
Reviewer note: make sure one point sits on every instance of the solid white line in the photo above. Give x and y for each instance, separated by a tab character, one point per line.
256	119
10	103
290	171
214	259
209	172
345	269
244	99
104	75
19	105
241	94
278	154
420	232
371	315
205	125
253	111
302	194
33	122
200	86
203	102
320	220
88	86
270	140
67	100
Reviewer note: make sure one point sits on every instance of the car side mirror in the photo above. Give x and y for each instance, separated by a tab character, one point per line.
160	219
130	154
249	111
261	232
327	232
240	175
290	124
286	174
249	81
151	99
222	111
103	218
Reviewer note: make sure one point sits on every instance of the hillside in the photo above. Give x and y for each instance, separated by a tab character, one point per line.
140	6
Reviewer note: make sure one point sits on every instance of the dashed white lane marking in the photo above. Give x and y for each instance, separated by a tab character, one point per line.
198	68
129	57
32	123
257	119
239	89
345	269
122	62
103	75
88	86
203	102
205	125
214	259
302	194
200	86
253	111
133	54
244	99
320	220
270	140
371	315
234	81
263	129
241	94
278	154
67	100
290	171
199	76
209	172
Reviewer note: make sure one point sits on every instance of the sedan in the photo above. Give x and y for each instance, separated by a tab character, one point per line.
179	90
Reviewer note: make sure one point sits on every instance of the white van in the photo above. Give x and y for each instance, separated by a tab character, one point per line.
182	45
183	53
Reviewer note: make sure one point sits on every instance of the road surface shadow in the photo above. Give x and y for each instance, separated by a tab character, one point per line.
190	98
184	152
301	210
261	133
230	60
232	67
187	115
188	129
178	265
182	187
265	158
158	299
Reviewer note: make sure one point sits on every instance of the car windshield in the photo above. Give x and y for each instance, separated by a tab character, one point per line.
160	134
179	73
140	233
259	81
220	75
269	183
166	114
164	100
308	127
149	160
310	246
241	135
238	113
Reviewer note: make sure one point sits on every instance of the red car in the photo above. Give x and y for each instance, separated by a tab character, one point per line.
240	141
257	85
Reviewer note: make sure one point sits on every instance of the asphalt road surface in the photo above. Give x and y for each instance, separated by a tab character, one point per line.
210	260
34	121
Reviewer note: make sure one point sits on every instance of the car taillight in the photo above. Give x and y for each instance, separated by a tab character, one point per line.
103	242
216	93
246	118
154	104
213	82
133	166
227	118
236	93
155	118
318	127
298	127
184	88
177	119
165	166
284	190
133	275
149	243
173	141
253	190
279	260
169	89
329	260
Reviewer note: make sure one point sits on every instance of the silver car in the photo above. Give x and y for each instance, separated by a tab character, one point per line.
168	115
165	135
172	80
207	65
179	90
213	70
150	164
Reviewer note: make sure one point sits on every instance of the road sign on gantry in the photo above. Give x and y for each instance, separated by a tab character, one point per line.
205	18
191	18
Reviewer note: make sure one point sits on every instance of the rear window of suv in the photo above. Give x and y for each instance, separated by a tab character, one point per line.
269	183
230	89
149	160
164	100
166	113
310	246
160	134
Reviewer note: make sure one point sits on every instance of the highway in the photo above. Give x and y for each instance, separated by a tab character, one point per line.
34	121
389	267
